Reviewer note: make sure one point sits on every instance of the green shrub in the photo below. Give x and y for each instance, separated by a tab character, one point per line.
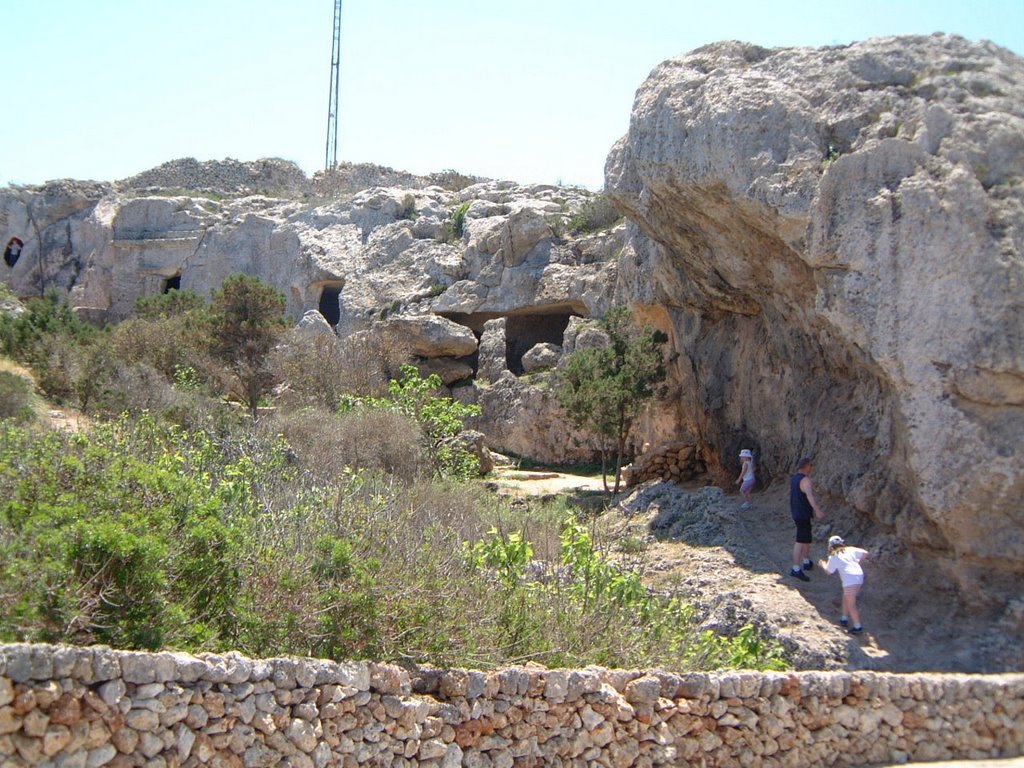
590	610
596	214
440	418
50	339
453	229
115	537
17	398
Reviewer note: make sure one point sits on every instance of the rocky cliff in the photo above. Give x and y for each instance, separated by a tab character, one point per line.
429	264
833	239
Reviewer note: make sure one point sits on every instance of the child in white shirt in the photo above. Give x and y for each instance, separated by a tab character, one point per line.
847	560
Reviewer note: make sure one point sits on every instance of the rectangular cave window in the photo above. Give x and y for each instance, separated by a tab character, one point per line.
522	331
330	304
172	284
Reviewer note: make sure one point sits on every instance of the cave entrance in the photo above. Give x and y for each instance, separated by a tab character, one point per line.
523	331
523	328
172	284
13	251
330	304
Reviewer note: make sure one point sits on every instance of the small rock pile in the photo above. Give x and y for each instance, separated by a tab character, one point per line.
677	462
73	707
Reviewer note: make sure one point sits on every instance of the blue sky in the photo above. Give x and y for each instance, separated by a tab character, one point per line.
530	90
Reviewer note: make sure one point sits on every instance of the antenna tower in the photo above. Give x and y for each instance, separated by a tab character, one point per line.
331	155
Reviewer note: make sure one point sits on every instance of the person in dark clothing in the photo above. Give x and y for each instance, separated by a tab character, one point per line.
804	507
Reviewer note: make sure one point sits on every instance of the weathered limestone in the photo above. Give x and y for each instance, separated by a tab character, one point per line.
833	240
228	710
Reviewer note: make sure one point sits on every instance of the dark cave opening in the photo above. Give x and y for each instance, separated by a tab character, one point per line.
13	251
524	331
330	304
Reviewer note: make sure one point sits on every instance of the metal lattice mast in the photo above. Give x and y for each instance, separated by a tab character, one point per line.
331	155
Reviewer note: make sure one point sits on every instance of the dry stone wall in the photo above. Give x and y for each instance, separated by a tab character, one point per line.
676	462
90	707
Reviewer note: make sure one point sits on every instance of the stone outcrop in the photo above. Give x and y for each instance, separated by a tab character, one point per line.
833	240
91	707
386	259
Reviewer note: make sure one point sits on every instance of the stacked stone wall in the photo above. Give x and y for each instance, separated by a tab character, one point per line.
88	707
678	462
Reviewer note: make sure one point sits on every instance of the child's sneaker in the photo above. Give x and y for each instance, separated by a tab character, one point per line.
856	630
808	565
798	574
844	621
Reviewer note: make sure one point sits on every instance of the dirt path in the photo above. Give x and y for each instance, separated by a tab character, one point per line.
733	564
740	573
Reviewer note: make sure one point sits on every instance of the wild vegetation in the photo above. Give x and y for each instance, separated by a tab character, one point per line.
326	514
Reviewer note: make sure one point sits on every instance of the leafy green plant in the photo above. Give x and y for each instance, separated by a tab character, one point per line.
115	537
454	228
440	418
746	650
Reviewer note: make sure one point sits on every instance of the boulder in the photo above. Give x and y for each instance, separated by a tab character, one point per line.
832	239
541	357
431	336
448	369
492	363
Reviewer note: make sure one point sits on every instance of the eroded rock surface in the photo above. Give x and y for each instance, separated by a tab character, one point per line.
424	265
833	239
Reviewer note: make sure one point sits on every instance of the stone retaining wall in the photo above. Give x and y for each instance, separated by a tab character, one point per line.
87	707
678	462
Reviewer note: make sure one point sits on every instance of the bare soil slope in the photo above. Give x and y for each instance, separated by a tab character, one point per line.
733	565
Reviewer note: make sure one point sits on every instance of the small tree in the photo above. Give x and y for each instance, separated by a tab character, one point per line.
440	418
246	321
603	389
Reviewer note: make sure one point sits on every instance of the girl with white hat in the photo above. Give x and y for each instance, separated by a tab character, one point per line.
746	479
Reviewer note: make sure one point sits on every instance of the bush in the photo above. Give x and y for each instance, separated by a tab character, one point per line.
330	444
17	398
117	536
50	339
596	214
440	419
453	229
321	370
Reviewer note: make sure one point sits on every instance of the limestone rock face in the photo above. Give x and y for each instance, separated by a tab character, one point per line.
424	265
527	421
834	240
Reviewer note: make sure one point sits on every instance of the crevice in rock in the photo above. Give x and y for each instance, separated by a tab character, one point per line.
524	331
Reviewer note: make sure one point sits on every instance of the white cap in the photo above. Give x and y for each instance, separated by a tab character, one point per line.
835	541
